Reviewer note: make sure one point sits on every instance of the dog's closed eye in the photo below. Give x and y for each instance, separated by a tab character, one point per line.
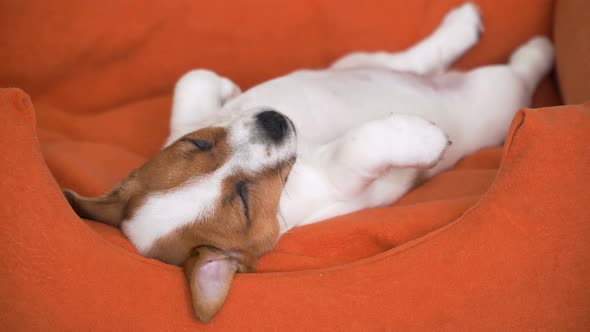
200	144
242	190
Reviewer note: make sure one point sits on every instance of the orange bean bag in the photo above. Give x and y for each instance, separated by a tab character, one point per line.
499	242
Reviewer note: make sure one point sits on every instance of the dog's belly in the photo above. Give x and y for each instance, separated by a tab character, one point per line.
325	104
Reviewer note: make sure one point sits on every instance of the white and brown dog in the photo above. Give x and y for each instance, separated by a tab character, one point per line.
358	134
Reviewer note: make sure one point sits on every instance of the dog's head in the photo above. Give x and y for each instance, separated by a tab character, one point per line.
208	202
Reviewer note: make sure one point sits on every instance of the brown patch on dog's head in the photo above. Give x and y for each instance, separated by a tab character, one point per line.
168	169
244	222
243	167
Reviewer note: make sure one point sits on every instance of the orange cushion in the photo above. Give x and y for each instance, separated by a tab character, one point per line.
87	58
443	257
517	259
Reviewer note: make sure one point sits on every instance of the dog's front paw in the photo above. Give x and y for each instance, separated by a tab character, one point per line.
206	84
228	90
422	143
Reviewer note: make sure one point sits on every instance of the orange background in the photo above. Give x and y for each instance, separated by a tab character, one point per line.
453	254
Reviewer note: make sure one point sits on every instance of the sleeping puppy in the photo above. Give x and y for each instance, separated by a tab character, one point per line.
241	169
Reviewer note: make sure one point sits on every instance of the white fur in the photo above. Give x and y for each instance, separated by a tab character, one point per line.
368	125
164	212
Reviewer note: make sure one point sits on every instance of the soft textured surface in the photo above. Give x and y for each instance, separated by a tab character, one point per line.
453	254
572	38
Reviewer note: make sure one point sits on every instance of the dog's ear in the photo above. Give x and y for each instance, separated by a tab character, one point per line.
107	209
210	273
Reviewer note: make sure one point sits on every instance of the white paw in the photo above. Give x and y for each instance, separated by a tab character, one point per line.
465	23
466	15
195	79
206	84
538	48
533	60
228	90
198	93
422	142
542	43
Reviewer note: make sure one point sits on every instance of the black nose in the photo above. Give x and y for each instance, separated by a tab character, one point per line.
274	124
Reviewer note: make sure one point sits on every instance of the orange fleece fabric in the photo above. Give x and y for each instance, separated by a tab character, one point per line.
453	254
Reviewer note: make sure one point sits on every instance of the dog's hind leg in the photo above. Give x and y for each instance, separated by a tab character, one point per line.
197	95
458	32
532	61
484	105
